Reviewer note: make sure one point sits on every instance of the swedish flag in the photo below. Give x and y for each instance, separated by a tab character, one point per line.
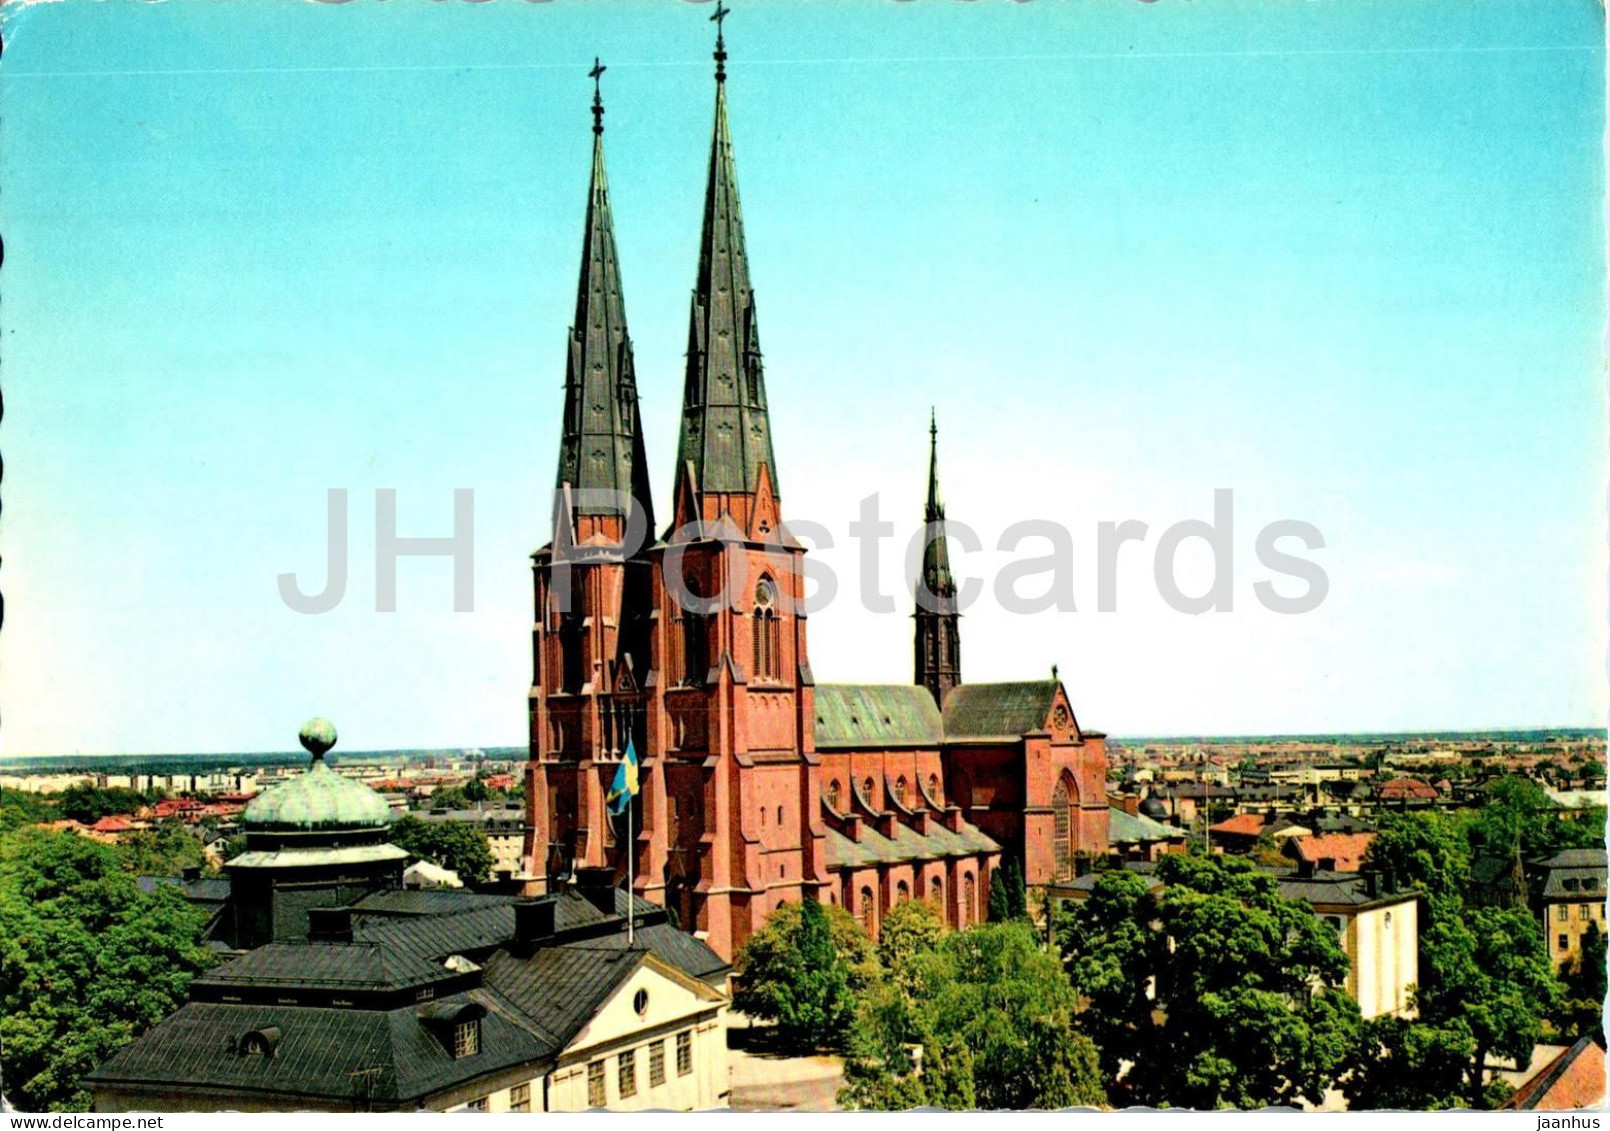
624	787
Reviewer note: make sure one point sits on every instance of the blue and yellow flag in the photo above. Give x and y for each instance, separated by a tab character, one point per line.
624	787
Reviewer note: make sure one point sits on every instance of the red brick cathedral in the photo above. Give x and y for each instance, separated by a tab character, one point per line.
759	786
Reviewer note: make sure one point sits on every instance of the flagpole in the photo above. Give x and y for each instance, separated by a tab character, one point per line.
631	853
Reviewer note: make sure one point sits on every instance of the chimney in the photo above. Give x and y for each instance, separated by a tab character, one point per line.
1305	868
191	873
1372	884
534	919
1327	863
598	886
952	818
329	924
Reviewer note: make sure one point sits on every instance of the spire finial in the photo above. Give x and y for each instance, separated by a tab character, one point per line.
317	736
933	423
1053	673
719	17
598	95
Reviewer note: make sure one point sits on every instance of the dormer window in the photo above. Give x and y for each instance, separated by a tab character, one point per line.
900	791
261	1042
466	1038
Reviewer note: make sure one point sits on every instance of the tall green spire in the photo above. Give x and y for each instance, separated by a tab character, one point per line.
602	448
726	435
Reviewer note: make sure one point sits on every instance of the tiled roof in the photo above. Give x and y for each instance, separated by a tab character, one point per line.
864	715
1575	1080
907	844
998	710
389	1057
1346	849
1242	824
1407	789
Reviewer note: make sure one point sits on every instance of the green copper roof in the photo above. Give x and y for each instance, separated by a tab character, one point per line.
319	799
865	715
726	433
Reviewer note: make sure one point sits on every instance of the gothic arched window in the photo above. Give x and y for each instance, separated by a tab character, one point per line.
767	661
833	794
1062	827
900	790
936	894
968	911
902	892
868	911
934	791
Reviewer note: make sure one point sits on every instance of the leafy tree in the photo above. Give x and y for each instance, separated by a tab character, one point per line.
1426	852
1214	991
165	849
993	1017
87	962
1485	986
451	844
88	803
20	807
1008	898
475	790
912	928
1581	1013
794	972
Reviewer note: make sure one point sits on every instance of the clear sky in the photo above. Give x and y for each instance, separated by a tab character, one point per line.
1345	258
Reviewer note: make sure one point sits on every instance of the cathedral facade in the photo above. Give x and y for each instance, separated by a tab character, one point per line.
686	642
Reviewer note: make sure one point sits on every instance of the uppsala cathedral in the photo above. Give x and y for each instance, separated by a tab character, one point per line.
759	786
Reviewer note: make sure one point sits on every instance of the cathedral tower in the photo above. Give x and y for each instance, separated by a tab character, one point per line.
937	649
742	832
591	642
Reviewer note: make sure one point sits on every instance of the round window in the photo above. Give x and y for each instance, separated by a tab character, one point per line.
640	1002
765	593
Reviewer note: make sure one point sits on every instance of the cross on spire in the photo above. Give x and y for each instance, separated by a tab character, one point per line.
719	17
598	98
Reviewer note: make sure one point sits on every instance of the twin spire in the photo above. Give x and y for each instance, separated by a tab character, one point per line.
726	434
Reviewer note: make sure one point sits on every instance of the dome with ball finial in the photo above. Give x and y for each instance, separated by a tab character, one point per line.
320	800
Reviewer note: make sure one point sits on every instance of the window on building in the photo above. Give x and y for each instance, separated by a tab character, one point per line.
866	790
476	1104
900	790
695	649
902	892
1563	914
762	816
1062	829
779	815
968	911
936	893
833	793
656	1064
1562	943
767	659
1587	911
1590	884
684	1052
933	788
867	909
520	1097
595	1084
1570	884
466	1038
627	1066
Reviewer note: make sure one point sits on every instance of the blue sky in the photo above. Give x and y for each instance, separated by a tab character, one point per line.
1343	258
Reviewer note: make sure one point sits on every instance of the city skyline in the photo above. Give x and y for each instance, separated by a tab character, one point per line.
1082	368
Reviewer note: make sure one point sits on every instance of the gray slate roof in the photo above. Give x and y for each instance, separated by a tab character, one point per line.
336	965
998	710
333	1054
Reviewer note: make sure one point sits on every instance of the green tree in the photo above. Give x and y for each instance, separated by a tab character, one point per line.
912	928
1213	991
165	849
1485	986
792	972
1581	1013
88	803
452	844
991	1019
1008	898
1425	852
87	962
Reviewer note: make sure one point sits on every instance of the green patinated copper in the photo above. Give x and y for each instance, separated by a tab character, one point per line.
320	798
